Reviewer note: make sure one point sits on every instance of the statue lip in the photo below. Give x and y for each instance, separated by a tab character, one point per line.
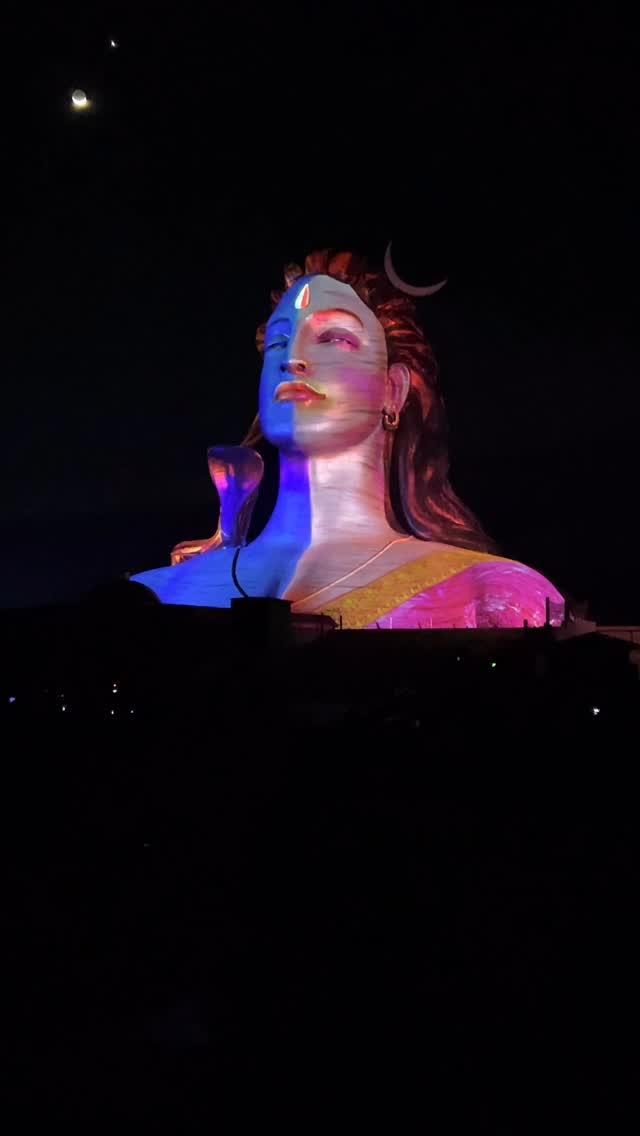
297	391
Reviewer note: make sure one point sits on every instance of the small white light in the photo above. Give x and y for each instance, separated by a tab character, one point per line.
112	713
79	99
132	711
595	710
493	665
12	698
63	708
112	43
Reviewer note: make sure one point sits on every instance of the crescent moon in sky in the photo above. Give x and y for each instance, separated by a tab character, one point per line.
408	288
79	99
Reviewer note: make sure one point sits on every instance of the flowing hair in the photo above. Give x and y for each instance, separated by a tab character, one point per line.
417	468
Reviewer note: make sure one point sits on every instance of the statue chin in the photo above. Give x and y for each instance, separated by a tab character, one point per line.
312	434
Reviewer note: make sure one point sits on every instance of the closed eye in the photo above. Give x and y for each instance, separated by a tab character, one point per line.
275	343
344	339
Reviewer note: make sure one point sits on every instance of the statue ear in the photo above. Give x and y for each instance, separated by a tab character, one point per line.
398	383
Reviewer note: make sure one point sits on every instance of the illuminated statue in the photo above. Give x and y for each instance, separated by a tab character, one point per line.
366	525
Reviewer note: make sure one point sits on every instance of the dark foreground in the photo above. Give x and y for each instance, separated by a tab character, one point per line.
364	870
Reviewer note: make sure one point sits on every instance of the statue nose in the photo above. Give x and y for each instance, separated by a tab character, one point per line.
295	367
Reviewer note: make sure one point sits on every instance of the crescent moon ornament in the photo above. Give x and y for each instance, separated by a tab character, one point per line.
400	284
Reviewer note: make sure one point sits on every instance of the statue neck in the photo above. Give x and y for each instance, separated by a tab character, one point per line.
324	500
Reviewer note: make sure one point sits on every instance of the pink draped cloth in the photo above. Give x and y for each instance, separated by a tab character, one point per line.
493	594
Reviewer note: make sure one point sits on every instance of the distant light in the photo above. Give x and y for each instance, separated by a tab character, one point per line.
12	698
79	99
493	665
112	712
595	710
63	708
132	711
113	43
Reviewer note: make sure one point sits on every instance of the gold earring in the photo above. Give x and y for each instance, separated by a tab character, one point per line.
390	419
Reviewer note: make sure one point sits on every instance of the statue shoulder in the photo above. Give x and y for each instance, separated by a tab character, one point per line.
203	581
157	579
512	589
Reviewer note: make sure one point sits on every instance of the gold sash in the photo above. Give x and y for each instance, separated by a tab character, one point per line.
362	606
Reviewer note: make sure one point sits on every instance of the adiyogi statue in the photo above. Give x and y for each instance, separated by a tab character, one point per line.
366	526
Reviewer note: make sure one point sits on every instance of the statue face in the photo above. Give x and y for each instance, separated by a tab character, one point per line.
324	375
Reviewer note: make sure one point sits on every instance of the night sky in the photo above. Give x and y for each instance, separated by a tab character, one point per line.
145	237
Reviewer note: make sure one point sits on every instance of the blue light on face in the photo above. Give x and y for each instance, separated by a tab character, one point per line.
277	418
318	340
278	334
